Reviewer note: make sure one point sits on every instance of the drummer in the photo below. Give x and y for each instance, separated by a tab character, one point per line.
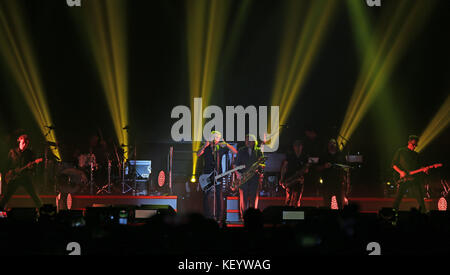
98	147
98	150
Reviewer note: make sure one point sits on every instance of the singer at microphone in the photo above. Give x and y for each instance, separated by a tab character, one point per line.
211	152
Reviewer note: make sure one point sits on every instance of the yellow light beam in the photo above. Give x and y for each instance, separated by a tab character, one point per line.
306	64
297	55
206	22
371	64
438	124
16	49
365	93
105	23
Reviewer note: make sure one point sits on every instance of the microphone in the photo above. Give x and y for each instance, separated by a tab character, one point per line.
51	127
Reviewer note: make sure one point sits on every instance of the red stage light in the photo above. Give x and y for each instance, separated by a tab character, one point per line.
69	201
334	204
161	178
442	204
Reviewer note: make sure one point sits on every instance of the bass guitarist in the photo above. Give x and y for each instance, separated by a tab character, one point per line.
292	177
20	159
404	161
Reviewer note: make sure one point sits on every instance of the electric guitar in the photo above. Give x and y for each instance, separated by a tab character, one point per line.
247	175
15	173
206	182
409	176
297	177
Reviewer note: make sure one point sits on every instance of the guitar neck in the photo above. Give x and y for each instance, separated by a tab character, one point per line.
423	169
29	165
417	171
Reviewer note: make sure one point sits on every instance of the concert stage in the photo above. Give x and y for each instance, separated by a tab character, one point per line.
366	204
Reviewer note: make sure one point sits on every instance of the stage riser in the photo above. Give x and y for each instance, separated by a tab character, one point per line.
26	201
232	203
365	204
82	202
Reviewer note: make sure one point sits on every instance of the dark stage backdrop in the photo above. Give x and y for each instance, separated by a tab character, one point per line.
158	81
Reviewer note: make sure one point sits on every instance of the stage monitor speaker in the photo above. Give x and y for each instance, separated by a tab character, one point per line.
72	218
109	215
284	214
440	219
23	215
147	211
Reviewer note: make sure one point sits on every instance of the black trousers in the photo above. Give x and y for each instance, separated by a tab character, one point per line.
294	195
12	187
208	203
417	190
248	195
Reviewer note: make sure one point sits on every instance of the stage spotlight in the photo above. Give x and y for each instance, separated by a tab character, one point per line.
193	179
161	178
389	188
334	204
442	204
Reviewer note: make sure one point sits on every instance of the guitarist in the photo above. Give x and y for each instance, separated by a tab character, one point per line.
247	156
295	162
212	152
18	158
404	161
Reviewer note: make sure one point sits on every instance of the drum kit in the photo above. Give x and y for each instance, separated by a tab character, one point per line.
85	174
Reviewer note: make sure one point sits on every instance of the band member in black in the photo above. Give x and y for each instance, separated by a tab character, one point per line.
292	177
404	161
212	152
312	148
98	150
332	175
18	158
247	156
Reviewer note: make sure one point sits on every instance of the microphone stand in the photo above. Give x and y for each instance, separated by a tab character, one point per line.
123	171
347	183
46	184
217	153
